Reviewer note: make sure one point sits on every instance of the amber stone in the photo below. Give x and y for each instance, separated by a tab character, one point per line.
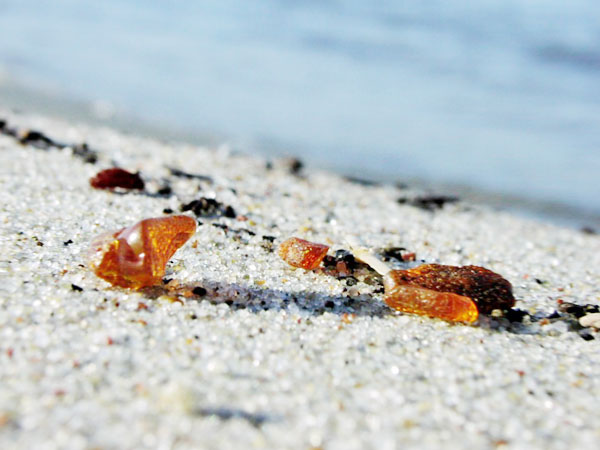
449	292
427	302
303	254
117	178
136	256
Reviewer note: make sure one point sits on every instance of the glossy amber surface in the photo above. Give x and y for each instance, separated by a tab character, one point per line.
427	302
303	254
136	256
447	292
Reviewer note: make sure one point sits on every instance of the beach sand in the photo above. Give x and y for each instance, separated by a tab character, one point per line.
265	355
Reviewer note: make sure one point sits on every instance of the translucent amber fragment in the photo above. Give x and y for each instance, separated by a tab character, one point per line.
426	302
450	291
136	257
304	254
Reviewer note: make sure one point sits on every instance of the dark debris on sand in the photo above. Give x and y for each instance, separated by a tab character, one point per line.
41	141
209	207
428	202
183	174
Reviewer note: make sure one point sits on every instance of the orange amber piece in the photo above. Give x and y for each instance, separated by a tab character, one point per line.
427	302
136	257
303	254
447	292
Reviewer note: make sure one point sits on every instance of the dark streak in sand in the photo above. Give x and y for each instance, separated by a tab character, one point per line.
40	141
255	419
227	229
428	202
182	174
361	181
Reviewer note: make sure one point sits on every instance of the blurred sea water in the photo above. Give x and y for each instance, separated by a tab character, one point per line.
499	95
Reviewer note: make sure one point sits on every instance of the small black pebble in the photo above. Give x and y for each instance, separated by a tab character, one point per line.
168	211
573	309
515	315
199	291
193	316
165	191
586	335
343	254
393	253
269	165
229	212
538	281
347	257
208	207
329	261
588	230
203	207
329	304
167	280
67	242
296	166
269	238
76	288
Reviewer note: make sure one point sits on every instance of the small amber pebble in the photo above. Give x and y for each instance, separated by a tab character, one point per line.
448	292
136	257
303	254
426	302
117	178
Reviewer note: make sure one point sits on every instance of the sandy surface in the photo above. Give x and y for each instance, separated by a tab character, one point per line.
271	356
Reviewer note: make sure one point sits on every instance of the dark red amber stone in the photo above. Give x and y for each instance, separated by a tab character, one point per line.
117	178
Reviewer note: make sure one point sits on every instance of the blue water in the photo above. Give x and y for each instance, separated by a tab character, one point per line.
501	95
